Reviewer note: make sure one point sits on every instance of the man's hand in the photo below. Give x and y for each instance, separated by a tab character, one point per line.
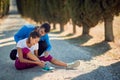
46	54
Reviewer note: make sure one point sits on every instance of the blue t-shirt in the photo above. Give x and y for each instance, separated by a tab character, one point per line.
26	30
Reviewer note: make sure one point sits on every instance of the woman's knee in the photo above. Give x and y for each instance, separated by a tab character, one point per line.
25	50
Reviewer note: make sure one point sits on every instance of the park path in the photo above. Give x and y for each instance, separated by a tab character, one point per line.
90	69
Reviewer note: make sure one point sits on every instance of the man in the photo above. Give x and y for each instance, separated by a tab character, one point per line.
44	44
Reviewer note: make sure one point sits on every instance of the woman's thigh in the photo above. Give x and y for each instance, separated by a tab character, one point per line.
20	65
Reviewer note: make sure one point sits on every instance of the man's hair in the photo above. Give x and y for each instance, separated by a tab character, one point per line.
46	26
36	27
34	34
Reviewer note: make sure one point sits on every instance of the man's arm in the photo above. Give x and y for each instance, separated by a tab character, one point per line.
49	47
20	34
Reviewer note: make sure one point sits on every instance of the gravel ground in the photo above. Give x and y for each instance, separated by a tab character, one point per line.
90	69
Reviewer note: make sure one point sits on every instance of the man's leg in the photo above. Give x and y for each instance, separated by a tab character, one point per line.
42	47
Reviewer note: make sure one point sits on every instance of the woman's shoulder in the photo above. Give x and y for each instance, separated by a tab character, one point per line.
22	40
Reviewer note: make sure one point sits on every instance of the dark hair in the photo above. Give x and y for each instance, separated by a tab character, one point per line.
34	34
36	27
46	26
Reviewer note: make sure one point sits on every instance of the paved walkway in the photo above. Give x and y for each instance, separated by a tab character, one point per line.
89	69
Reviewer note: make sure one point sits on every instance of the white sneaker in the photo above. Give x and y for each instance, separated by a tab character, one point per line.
73	65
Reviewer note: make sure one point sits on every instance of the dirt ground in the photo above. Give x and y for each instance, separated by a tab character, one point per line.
100	60
94	54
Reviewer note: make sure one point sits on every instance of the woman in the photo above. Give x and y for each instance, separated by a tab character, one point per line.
27	49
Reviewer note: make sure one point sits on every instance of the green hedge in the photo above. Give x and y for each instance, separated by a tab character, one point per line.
4	7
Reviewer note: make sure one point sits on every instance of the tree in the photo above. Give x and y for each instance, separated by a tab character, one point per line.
19	6
110	9
4	7
90	12
73	10
44	11
58	12
83	12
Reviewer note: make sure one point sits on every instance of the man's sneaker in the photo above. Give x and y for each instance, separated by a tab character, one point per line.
13	54
47	68
73	65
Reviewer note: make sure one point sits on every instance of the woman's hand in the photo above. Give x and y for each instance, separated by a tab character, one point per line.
40	63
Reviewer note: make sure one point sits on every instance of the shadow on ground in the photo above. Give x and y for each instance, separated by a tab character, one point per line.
102	73
95	49
98	48
79	39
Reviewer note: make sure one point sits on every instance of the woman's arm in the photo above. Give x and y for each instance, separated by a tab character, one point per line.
36	53
31	56
20	57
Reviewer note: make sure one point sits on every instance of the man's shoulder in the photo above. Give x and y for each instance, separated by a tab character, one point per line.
46	36
27	26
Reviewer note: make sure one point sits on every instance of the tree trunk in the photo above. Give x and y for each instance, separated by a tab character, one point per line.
74	28
61	27
54	26
85	29
108	24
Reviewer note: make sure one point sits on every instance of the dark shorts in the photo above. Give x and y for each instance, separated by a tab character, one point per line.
42	47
